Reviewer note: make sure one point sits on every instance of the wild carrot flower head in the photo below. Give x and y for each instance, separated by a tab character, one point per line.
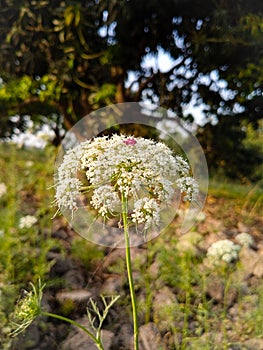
105	169
245	239
27	221
223	251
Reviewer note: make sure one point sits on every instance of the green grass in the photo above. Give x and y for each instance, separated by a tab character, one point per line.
247	197
223	187
27	175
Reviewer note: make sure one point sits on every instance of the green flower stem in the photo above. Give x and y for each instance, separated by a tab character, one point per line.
129	270
96	340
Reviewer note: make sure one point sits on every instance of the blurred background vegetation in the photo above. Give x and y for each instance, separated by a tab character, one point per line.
60	60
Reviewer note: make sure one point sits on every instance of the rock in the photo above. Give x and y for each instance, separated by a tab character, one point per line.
84	342
260	247
230	233
149	337
139	255
164	296
124	337
117	256
60	233
242	227
79	340
112	285
248	258
164	305
188	243
258	267
210	239
215	288
52	335
254	344
77	296
68	269
30	338
113	258
213	225
74	278
61	265
154	270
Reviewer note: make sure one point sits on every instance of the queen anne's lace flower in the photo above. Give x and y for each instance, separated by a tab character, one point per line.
144	171
27	221
105	200
223	250
146	211
245	239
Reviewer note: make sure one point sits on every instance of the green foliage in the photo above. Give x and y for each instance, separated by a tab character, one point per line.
23	250
234	150
255	318
248	197
103	96
86	253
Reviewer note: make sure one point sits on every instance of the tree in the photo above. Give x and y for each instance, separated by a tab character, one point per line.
49	52
71	57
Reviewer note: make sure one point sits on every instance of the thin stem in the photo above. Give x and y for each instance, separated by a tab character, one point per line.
97	341
129	270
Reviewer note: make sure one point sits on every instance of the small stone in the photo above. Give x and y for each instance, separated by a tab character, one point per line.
61	234
254	344
74	278
258	268
248	258
149	337
164	304
61	266
77	296
242	227
83	341
112	285
215	288
188	243
154	270
113	258
124	337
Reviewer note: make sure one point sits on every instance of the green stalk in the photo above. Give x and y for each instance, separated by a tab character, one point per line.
96	340
129	270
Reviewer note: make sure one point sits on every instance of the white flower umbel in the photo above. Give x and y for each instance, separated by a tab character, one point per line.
146	211
146	172
3	189
27	221
245	239
223	250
